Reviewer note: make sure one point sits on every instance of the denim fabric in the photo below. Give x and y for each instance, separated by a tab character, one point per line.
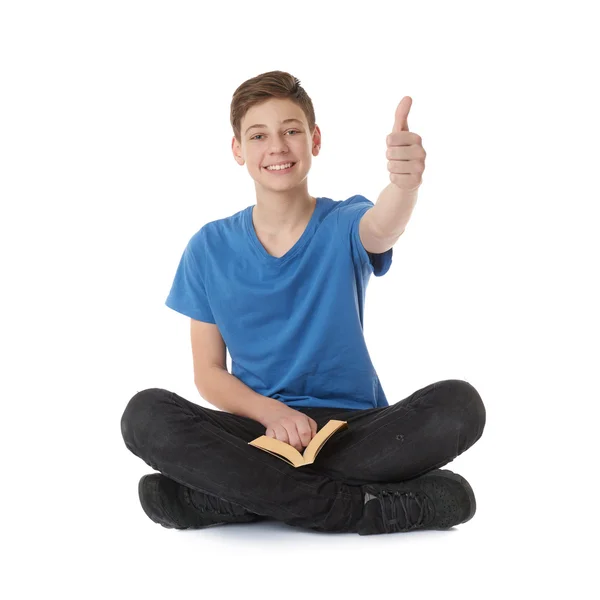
207	450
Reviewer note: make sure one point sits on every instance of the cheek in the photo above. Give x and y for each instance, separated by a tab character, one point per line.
253	161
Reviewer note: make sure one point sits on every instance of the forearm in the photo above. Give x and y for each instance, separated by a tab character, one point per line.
225	391
393	210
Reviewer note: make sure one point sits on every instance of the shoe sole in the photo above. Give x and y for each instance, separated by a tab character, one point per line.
456	477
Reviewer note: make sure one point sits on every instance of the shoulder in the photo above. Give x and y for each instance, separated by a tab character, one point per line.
351	210
206	233
198	239
224	229
353	204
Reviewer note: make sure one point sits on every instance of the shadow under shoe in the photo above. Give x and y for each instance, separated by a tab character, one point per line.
438	499
176	506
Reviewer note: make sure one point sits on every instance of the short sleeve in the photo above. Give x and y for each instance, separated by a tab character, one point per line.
188	292
350	213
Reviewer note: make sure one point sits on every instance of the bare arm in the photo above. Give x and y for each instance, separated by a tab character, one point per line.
221	389
225	391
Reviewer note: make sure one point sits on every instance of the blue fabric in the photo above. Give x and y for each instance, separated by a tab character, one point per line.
293	325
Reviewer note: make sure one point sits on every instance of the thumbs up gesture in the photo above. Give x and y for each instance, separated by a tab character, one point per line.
405	152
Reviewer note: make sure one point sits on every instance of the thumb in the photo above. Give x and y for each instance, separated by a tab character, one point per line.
401	117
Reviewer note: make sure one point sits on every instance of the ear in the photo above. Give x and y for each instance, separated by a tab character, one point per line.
316	141
236	149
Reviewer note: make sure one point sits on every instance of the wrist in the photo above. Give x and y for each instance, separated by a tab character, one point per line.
272	409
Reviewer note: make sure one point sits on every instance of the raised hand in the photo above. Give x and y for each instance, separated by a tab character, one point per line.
405	152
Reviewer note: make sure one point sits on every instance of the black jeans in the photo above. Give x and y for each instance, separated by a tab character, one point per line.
207	450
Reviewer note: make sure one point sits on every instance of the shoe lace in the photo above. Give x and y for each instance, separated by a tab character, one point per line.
206	503
403	511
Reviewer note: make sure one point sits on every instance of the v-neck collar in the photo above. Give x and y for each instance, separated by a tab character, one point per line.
294	249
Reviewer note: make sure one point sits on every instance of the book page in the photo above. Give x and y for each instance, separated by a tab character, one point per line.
320	438
279	448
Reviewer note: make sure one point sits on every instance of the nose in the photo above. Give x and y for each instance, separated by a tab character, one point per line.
278	144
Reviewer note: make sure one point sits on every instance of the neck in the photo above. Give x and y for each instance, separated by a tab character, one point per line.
279	215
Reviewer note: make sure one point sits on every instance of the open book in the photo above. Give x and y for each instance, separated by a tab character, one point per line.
290	454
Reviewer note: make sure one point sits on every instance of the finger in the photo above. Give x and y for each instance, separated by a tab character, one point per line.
408	167
304	431
313	427
401	116
293	436
281	433
403	138
412	152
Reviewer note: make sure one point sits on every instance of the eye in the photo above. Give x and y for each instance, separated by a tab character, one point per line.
260	134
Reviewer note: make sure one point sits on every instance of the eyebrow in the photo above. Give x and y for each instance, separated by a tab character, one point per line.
262	125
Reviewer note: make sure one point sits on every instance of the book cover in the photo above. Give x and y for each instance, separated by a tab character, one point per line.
289	454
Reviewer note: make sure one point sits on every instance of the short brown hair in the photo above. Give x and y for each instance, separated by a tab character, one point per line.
273	84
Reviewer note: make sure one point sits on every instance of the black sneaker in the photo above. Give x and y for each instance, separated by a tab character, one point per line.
176	506
438	499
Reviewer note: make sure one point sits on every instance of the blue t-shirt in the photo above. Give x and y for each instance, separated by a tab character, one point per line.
293	325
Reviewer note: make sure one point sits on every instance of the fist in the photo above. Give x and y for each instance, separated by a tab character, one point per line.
291	426
405	152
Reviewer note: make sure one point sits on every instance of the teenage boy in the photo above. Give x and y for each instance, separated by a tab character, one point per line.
282	284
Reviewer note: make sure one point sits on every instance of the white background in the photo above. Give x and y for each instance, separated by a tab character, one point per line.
116	147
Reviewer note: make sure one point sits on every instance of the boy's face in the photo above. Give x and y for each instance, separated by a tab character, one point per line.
276	142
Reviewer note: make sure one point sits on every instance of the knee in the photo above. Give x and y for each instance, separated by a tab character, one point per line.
139	415
466	403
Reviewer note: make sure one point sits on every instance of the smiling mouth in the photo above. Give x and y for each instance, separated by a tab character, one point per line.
279	170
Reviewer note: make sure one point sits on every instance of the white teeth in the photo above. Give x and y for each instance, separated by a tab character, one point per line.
279	168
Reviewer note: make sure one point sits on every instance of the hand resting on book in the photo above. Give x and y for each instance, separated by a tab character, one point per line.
290	426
